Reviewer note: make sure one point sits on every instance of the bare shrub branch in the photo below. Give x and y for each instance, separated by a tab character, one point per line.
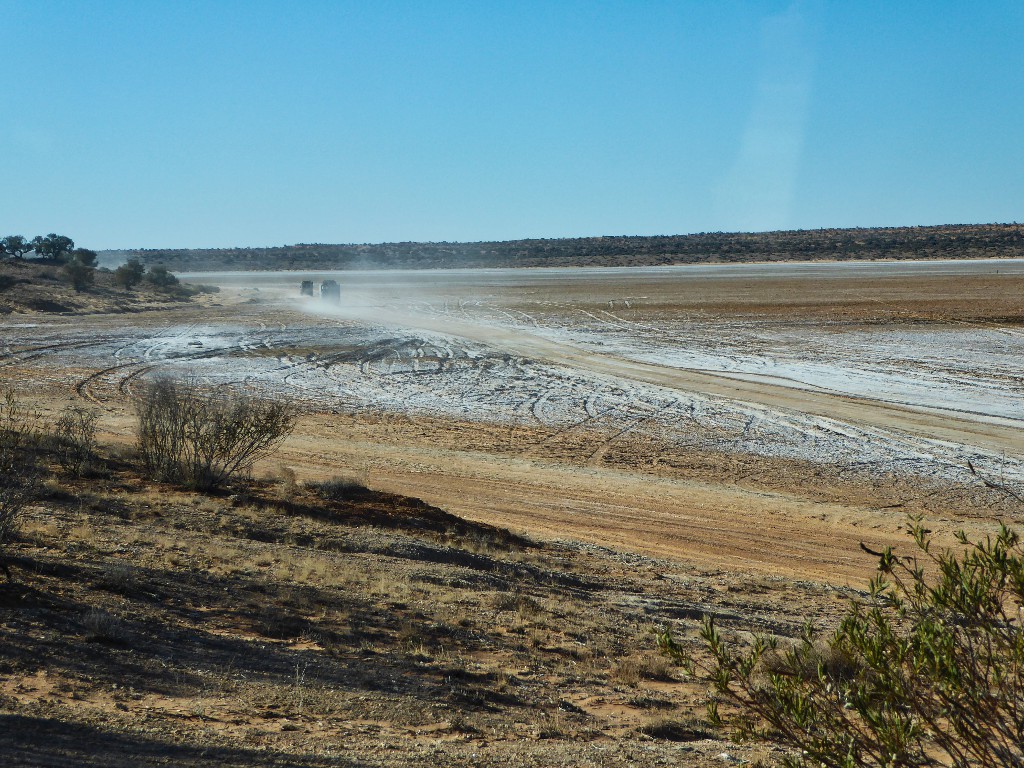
202	439
20	472
74	440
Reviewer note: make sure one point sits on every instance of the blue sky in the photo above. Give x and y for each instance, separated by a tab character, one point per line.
218	123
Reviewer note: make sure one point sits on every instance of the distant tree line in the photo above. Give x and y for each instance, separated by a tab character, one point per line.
79	264
52	247
897	243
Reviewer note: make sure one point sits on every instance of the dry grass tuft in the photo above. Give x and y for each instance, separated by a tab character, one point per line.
103	627
674	729
648	666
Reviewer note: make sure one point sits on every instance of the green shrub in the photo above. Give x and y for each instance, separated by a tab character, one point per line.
928	671
161	278
202	439
129	274
80	275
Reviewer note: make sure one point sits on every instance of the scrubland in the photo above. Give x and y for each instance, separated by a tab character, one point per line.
544	475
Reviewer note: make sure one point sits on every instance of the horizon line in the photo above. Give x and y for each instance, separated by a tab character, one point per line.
576	237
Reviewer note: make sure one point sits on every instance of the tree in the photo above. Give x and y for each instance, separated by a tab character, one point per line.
53	246
129	274
15	246
928	672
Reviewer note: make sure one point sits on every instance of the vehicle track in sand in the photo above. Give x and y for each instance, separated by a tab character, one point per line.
477	409
996	434
133	371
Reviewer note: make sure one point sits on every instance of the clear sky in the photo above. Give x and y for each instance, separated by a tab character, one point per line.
220	123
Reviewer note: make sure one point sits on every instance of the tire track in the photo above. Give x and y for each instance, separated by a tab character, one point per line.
11	357
84	387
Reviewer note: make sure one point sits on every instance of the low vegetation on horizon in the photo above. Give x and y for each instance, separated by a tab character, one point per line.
49	274
936	242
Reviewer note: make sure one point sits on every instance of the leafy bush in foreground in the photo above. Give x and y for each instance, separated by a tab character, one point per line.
929	671
201	439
